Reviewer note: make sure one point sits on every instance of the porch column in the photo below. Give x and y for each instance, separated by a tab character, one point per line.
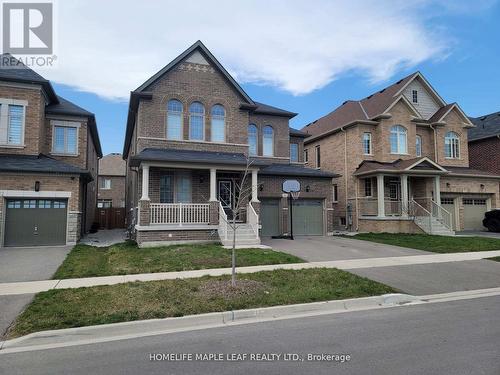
437	190
254	186
213	184
404	195
145	182
380	195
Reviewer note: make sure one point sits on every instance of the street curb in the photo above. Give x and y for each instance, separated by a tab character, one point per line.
127	330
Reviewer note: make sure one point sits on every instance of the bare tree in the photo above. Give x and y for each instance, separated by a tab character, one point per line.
241	194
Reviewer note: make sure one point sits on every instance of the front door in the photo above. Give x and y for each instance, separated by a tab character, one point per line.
226	193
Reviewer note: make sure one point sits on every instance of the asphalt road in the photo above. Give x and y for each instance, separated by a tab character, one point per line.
459	337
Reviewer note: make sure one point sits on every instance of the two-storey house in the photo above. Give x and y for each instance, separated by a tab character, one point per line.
49	150
484	143
192	131
403	155
111	184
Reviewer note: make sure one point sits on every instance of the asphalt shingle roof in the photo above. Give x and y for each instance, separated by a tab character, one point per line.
268	109
486	126
37	163
66	107
295	170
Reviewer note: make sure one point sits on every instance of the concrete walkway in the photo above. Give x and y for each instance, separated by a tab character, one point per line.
17	288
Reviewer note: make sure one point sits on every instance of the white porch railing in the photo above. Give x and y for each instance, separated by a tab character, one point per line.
393	207
180	213
223	224
368	206
442	215
253	219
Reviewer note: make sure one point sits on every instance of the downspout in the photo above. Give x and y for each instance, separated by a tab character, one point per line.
342	129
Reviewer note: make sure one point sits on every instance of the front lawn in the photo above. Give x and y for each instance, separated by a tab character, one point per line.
127	258
436	244
496	259
65	308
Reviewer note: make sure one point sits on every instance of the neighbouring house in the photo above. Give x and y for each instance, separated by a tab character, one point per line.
403	155
111	181
484	143
191	131
49	151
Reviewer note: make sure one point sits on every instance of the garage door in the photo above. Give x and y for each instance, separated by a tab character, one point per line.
449	205
474	209
31	222
270	217
308	217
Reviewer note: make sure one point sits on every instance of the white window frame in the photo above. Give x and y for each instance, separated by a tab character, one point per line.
369	140
4	122
455	152
101	201
418	145
297	146
214	117
256	139
65	124
399	151
103	185
264	144
181	113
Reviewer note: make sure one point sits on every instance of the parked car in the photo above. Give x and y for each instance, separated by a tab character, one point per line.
492	220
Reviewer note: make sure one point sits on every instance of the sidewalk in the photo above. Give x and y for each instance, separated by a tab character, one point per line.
44	285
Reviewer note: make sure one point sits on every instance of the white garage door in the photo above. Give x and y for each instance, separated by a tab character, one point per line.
474	209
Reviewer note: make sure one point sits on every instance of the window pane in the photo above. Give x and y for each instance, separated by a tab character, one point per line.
166	189
402	143
196	120
294	152
15	124
59	139
71	140
174	106
394	143
183	193
252	139
419	146
367	143
218	129
174	125
268	140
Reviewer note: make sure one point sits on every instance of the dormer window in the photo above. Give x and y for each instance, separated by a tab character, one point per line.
414	95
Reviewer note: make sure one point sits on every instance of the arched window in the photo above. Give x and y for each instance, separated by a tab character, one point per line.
196	121
218	124
268	141
418	145
174	119
252	139
398	140
452	145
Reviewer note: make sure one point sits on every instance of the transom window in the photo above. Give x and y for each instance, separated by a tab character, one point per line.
196	121
174	119
452	145
65	140
252	139
268	141
218	123
367	143
418	145
294	152
398	140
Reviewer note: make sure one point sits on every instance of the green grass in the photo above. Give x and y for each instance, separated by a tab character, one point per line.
127	258
496	259
436	244
65	308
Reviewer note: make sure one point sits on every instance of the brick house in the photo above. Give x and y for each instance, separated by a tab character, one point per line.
111	181
403	155
191	132
484	140
49	150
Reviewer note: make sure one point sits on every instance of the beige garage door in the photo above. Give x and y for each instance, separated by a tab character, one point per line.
449	205
474	209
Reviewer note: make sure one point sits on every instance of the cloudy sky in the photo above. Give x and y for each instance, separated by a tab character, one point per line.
304	56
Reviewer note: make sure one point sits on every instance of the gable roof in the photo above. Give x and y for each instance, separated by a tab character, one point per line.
369	108
442	112
198	45
112	165
398	166
486	127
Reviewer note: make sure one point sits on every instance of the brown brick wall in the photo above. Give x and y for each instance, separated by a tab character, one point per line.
481	152
180	236
388	226
281	133
117	191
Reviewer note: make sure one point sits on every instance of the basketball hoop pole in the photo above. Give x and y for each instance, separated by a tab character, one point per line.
291	215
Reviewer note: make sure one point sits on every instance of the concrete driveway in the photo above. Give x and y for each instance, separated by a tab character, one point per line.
25	264
322	248
479	234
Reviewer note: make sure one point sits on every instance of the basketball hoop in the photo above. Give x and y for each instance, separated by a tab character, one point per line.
295	194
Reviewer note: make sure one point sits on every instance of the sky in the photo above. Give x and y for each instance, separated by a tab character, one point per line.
303	56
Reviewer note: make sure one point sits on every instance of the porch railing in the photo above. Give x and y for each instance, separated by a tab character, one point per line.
368	206
253	219
442	215
180	213
393	208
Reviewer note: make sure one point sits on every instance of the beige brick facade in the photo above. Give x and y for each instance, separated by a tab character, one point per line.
117	192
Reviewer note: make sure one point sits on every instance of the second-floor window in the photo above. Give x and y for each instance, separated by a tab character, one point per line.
65	139
252	139
398	140
268	141
105	183
452	145
294	152
174	120
418	145
218	124
318	157
196	121
306	156
367	143
15	125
